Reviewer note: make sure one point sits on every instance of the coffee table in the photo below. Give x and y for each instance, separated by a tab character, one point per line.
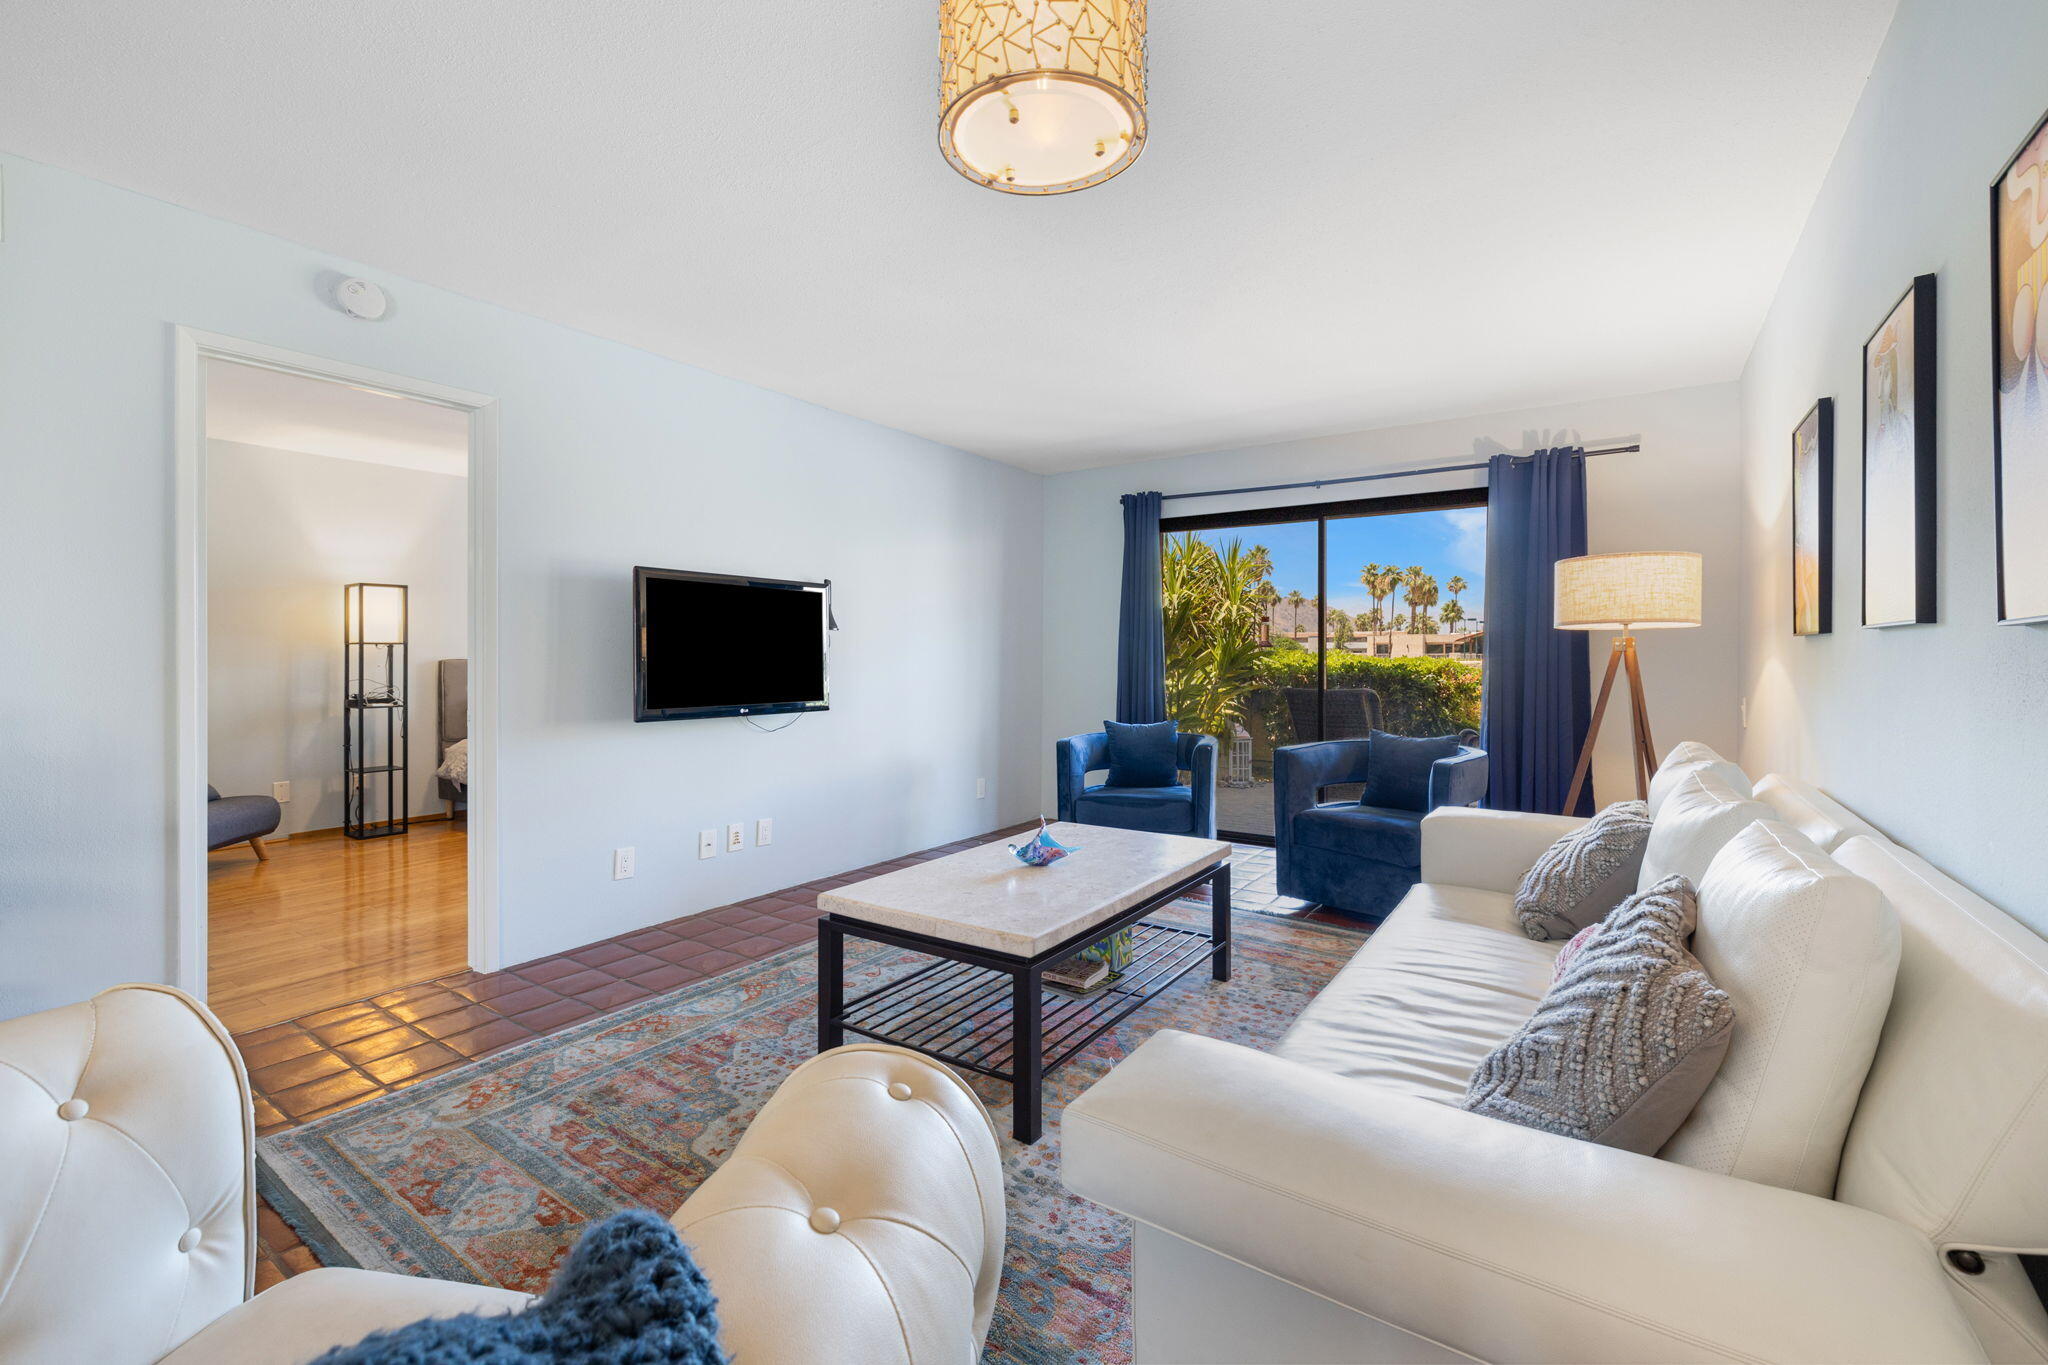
992	925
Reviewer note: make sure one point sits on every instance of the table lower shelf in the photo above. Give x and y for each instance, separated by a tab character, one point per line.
960	1012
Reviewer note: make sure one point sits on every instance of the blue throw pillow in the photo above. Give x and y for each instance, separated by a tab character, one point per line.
1397	769
1143	755
628	1295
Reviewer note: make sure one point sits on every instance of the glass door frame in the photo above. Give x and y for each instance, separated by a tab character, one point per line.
1321	513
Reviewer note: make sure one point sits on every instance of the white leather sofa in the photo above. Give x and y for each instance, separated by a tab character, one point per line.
859	1220
1329	1201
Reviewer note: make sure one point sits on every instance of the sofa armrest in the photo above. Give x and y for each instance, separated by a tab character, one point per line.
1487	850
1496	1240
1197	758
1075	756
1459	780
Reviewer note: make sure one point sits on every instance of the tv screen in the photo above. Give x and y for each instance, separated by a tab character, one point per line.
719	645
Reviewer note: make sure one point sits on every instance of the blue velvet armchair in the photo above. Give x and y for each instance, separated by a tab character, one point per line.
1188	808
1351	857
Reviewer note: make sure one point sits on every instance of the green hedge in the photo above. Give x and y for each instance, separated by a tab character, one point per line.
1421	696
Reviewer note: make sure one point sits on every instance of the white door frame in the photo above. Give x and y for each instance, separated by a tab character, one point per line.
192	348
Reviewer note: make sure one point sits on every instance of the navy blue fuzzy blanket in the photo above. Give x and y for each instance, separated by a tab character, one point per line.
628	1295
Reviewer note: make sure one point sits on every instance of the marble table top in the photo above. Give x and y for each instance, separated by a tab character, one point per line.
985	898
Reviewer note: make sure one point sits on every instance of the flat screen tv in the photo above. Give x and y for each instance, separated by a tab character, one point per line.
707	644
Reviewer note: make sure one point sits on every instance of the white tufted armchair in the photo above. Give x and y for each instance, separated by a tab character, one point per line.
859	1220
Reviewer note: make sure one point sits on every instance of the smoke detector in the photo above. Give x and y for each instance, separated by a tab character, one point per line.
361	299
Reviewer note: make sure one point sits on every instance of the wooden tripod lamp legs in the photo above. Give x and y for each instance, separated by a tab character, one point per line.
1643	748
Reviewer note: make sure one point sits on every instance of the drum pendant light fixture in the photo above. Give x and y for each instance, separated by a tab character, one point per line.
1041	96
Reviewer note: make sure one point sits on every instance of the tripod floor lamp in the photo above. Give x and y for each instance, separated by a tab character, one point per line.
1645	590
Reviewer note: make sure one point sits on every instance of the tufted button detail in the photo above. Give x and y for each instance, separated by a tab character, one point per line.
824	1220
190	1240
898	1090
72	1110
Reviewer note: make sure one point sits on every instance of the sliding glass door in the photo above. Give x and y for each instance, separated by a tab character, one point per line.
1289	625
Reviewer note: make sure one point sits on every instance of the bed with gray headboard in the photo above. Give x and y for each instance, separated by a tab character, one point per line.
454	721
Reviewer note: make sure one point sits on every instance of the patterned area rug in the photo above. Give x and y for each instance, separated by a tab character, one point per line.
488	1174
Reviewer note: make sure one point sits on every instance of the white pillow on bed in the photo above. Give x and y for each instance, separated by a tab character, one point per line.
455	763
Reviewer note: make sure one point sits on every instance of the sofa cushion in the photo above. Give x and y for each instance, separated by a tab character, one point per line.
1391	836
1585	874
1808	951
298	1319
1437	987
1625	1041
1143	755
1397	769
1158	810
1812	812
1692	757
1701	812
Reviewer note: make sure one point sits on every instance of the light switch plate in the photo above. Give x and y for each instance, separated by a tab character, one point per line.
280	792
764	832
980	788
707	843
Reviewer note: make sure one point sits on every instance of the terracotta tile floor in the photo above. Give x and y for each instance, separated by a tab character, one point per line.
315	1065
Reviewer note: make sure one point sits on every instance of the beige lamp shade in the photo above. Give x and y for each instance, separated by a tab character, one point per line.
1041	96
1644	590
374	613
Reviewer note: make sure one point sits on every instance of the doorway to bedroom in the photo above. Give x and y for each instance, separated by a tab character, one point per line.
336	693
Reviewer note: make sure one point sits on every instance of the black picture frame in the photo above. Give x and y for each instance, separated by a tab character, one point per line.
2037	593
1921	536
1821	418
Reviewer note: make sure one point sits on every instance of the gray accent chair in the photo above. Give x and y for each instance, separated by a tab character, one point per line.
236	819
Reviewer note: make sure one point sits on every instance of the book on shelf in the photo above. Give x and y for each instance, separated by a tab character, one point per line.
1077	976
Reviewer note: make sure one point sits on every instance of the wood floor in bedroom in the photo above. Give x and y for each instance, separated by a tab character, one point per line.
329	920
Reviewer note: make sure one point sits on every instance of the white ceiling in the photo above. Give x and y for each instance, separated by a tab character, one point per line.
262	407
1349	213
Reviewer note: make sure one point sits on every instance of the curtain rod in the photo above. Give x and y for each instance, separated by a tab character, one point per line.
1368	478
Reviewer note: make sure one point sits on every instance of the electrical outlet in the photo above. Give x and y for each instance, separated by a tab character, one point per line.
280	792
707	843
622	864
980	788
764	832
735	837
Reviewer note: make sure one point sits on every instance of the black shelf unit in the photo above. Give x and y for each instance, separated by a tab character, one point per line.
376	719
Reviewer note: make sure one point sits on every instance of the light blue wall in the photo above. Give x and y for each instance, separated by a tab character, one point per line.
1933	733
610	457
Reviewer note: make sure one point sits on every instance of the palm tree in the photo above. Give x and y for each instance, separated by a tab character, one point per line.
1421	595
1381	581
1340	627
1452	613
1295	602
1215	600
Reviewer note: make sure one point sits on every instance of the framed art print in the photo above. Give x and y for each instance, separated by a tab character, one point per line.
1898	463
1813	521
2019	399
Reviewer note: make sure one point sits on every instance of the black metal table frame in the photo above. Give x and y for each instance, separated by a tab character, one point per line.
1173	951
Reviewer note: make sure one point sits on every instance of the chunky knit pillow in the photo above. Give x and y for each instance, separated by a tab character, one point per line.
1625	1041
1585	874
628	1295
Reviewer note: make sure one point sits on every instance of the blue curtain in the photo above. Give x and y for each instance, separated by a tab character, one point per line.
1141	626
1537	707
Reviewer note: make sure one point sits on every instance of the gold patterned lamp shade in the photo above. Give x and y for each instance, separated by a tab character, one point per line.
1645	590
1041	96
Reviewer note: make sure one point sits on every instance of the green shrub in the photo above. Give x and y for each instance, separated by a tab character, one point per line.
1421	696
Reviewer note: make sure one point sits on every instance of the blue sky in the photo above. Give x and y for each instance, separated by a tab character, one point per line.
1447	544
